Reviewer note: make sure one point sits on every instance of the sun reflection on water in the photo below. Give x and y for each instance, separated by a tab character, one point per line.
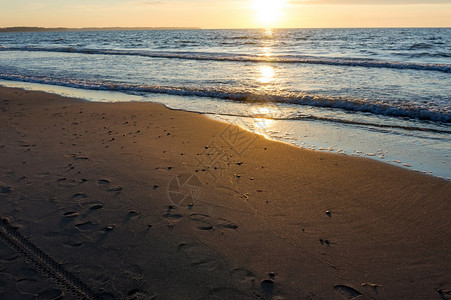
263	113
266	74
268	32
267	52
262	120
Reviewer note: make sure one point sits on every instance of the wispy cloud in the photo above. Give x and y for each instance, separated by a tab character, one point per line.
151	2
369	2
172	2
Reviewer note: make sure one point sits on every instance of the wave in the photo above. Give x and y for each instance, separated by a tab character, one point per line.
408	128
336	120
294	59
348	104
421	46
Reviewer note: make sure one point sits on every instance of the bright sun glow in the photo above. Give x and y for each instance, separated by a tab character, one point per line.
266	74
262	118
268	11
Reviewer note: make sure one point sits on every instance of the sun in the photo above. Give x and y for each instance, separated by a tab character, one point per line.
268	11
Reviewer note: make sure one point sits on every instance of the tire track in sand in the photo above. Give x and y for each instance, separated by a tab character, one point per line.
44	263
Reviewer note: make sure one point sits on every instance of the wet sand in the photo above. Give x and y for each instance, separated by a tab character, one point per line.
133	200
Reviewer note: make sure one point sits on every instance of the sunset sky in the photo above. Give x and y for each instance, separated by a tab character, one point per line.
226	14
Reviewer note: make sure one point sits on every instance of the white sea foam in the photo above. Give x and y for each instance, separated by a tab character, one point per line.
348	104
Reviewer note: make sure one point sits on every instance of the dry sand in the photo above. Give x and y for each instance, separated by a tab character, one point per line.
133	200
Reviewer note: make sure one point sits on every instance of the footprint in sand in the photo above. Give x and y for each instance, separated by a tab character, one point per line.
72	242
244	280
86	226
243	277
104	184
171	216
115	189
65	182
444	294
347	292
267	287
199	256
100	274
78	196
205	222
5	190
96	206
131	215
28	286
202	222
7	255
24	180
79	157
43	174
71	214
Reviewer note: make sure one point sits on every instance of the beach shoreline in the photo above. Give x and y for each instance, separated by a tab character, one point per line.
140	200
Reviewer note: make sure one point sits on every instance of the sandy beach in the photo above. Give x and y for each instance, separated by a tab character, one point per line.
136	201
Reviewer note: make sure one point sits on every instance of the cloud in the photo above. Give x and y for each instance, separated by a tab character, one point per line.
369	2
184	3
150	2
165	2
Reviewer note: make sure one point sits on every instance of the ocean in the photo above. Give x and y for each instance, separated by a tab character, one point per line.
378	93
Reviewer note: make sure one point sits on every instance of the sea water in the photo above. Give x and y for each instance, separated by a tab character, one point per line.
378	93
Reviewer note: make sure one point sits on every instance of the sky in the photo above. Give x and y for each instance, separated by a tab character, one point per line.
226	13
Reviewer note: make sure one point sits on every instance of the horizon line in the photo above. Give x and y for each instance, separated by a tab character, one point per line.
131	28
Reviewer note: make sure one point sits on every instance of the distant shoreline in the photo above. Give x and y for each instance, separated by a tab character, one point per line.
44	29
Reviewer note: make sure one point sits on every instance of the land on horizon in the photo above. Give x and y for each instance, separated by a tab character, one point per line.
41	29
